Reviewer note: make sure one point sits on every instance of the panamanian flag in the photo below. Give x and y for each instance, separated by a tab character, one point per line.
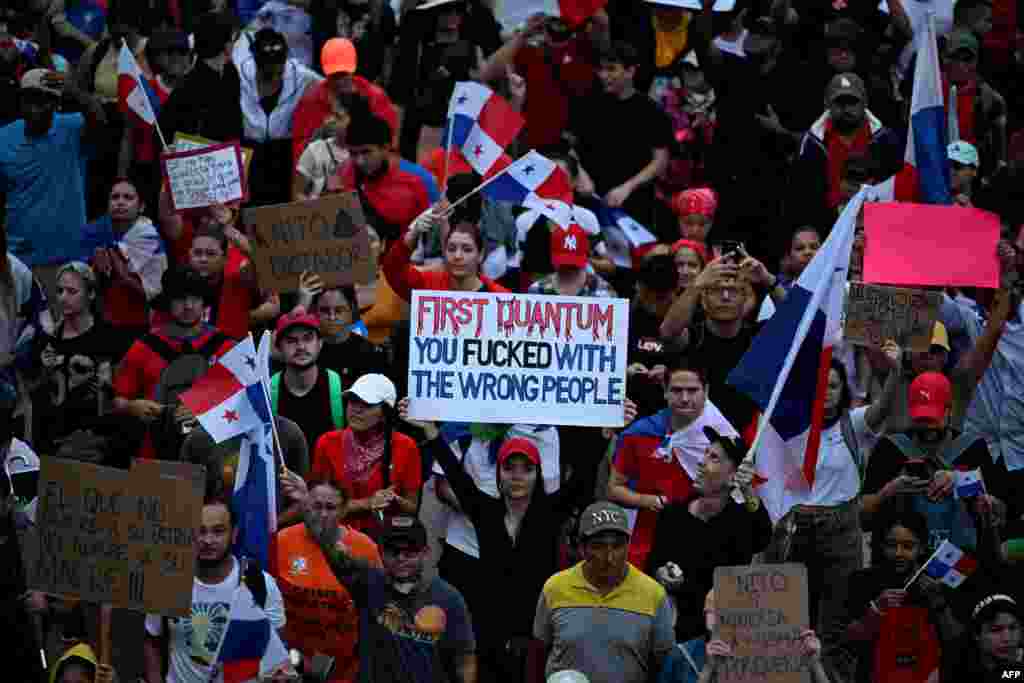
785	370
251	647
481	125
924	177
135	95
229	399
950	565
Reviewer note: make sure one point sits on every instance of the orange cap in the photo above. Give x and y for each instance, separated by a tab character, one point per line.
338	56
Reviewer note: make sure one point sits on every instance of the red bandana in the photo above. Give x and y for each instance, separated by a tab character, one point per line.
838	152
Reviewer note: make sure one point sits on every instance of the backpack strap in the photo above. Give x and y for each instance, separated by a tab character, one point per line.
254	579
275	391
956	448
208	348
160	347
905	446
337	406
850	439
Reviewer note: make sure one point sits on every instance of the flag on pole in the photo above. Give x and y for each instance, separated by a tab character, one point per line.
624	236
481	125
786	370
536	182
924	177
135	95
969	484
229	399
950	565
250	647
255	494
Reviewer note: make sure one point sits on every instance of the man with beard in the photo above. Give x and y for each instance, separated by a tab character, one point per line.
302	393
220	581
915	469
412	628
847	128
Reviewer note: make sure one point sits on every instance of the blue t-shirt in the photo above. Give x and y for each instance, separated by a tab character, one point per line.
44	181
410	639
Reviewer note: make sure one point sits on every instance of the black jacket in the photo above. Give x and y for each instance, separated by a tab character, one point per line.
207	104
518	568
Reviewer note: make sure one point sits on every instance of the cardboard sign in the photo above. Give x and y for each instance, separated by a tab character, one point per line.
326	236
517	358
761	610
185	142
875	313
124	538
204	177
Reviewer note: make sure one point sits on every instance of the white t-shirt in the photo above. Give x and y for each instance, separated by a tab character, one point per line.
319	161
836	479
477	463
194	640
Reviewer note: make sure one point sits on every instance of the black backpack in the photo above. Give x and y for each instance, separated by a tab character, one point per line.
184	367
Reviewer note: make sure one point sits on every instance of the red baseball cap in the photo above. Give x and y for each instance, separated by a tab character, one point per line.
569	248
297	318
930	396
518	446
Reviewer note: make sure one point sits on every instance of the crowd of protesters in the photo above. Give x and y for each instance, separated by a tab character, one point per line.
414	551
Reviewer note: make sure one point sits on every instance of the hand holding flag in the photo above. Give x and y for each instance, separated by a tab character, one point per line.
229	399
134	93
948	565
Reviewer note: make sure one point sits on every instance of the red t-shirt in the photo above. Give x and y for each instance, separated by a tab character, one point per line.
138	374
317	104
570	72
406	473
397	196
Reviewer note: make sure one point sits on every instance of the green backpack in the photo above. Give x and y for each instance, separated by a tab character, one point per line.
333	388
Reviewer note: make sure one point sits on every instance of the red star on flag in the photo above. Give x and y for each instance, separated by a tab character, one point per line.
231	415
478	150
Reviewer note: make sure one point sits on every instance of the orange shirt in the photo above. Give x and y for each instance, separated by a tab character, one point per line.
406	473
322	617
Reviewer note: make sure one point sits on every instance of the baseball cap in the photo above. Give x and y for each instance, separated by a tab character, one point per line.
373	389
732	445
338	56
42	80
603	516
991	605
404	530
299	317
701	200
940	337
963	153
570	247
930	395
568	676
518	446
962	40
846	84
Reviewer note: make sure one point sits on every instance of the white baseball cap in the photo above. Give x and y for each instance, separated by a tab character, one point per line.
568	676
374	389
963	153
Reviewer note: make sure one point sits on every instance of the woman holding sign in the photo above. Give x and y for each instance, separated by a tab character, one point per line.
518	534
463	247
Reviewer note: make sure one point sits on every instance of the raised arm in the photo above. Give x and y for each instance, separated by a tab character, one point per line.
880	410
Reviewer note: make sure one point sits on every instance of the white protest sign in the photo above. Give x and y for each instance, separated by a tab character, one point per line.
204	177
517	358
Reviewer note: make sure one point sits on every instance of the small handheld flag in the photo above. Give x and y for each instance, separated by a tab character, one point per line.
969	484
948	565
